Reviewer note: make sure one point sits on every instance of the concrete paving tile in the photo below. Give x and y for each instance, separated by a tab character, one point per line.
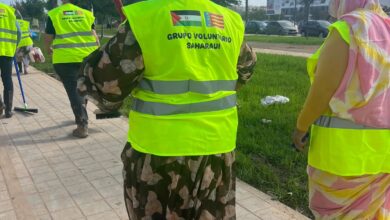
91	167
68	214
251	217
29	189
3	186
68	172
116	202
44	177
84	161
87	197
55	194
9	215
40	170
4	195
116	170
78	155
57	159
104	216
111	191
44	217
72	180
104	182
25	181
241	212
34	199
119	178
63	166
40	209
59	204
6	205
36	163
122	213
111	163
79	188
271	214
96	175
49	185
95	208
254	204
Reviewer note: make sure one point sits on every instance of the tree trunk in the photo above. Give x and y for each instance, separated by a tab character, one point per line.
246	11
102	32
307	10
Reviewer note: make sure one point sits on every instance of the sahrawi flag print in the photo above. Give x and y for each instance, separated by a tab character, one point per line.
186	18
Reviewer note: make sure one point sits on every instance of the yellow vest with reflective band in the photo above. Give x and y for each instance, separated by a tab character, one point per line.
74	39
25	29
342	147
8	31
186	103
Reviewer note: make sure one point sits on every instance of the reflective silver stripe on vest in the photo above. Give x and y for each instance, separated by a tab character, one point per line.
335	122
58	46
26	32
155	108
178	87
25	37
74	34
8	31
8	40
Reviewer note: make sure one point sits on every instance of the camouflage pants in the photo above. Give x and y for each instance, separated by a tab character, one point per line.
194	187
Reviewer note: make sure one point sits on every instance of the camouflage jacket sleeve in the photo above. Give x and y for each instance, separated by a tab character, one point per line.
110	73
246	63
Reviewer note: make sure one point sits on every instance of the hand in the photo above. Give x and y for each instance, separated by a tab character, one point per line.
300	139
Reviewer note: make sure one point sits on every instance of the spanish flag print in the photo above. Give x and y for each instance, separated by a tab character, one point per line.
214	20
186	18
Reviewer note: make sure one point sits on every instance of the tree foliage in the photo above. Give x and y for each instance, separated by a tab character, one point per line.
227	2
30	8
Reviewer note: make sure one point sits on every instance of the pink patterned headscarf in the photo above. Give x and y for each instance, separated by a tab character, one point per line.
364	93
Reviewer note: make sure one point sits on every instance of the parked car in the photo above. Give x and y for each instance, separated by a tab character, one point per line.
255	27
315	28
281	27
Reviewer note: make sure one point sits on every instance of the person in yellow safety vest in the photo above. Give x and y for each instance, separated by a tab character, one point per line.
70	37
179	159
10	36
348	107
24	47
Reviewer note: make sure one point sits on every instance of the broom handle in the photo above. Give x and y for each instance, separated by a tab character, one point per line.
20	81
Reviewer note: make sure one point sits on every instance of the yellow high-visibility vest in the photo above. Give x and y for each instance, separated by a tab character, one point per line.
74	39
25	29
186	103
8	31
343	147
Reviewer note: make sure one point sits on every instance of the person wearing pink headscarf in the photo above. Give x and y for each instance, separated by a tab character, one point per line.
348	110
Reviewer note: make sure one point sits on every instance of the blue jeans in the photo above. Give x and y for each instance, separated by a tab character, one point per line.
68	73
6	77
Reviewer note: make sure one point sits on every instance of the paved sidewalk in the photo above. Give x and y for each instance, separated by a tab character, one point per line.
282	52
45	173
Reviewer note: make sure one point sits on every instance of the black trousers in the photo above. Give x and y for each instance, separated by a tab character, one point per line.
68	73
6	77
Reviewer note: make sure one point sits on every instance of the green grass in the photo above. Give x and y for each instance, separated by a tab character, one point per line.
265	159
286	39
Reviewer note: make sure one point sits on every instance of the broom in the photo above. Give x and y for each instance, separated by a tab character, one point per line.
24	109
